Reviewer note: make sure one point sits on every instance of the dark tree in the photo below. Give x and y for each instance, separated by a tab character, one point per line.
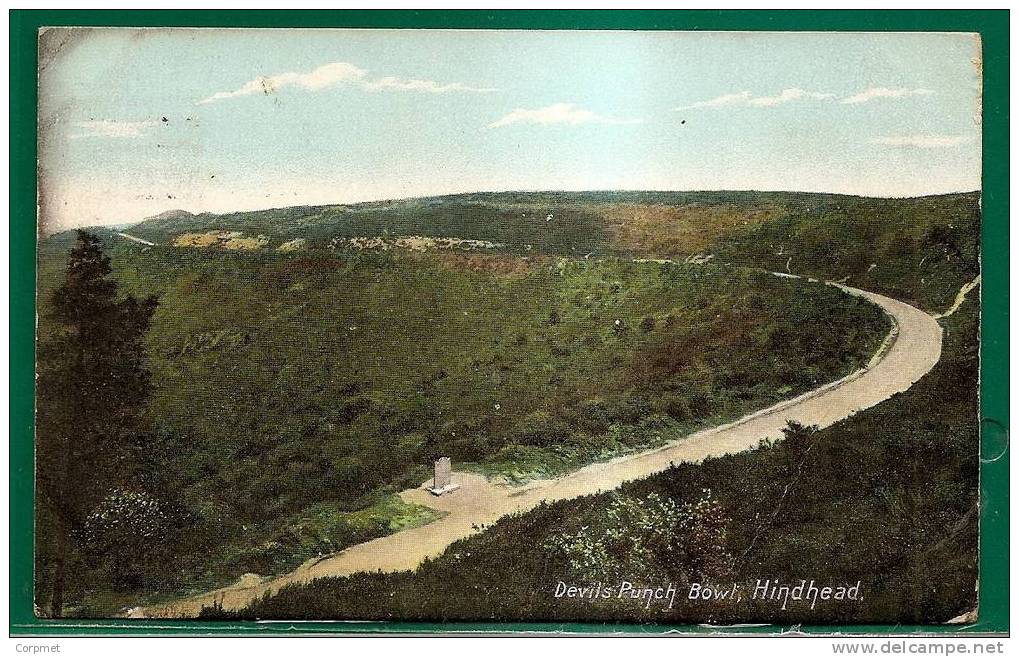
91	389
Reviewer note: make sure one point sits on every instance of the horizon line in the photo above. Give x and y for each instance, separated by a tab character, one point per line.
399	199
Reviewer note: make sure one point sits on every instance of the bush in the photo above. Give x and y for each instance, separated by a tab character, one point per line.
127	534
648	539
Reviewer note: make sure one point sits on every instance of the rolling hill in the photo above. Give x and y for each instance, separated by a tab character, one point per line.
916	249
308	362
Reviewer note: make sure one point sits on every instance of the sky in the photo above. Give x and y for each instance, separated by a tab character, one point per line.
134	122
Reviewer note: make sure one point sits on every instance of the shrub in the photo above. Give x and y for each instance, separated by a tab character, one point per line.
648	538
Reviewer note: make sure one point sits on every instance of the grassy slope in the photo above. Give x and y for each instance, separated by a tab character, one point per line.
823	233
285	381
888	497
854	512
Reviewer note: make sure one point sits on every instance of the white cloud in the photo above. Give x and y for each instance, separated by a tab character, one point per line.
789	95
114	129
922	141
336	74
747	98
883	92
740	98
560	113
429	86
786	96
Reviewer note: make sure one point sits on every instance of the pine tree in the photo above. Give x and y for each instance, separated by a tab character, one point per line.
91	390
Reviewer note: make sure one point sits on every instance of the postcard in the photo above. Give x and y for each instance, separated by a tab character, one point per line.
619	326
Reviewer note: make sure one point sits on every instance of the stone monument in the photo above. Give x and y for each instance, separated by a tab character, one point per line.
442	481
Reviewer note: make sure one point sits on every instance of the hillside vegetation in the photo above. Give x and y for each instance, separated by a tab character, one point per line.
308	363
919	250
287	386
887	498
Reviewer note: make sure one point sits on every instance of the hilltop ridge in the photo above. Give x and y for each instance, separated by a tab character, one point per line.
916	249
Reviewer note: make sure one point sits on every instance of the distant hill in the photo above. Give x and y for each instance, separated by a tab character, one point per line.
514	217
918	249
167	219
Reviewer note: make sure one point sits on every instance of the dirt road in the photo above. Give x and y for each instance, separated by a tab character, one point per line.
911	350
136	239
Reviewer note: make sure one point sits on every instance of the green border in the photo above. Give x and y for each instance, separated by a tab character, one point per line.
991	24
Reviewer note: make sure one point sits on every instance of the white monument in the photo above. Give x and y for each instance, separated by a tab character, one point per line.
442	481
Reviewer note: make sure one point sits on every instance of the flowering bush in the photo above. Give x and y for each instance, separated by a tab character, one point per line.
645	537
124	512
124	532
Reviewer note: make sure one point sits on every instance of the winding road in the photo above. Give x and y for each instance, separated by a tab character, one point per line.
136	239
911	349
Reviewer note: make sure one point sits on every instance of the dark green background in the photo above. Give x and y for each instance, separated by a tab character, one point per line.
993	27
